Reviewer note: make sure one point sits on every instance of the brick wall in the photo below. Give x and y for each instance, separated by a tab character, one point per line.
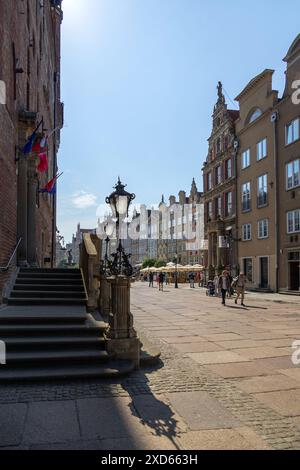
29	37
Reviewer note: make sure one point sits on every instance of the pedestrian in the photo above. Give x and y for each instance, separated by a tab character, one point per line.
216	283
230	291
161	281
151	279
240	283
224	285
192	280
167	276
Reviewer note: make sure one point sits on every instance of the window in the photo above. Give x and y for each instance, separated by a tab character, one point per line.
262	191
293	174
218	174
246	232
263	228
293	221
246	197
248	269
255	115
209	181
245	159
228	168
210	210
218	205
228	204
292	131
262	149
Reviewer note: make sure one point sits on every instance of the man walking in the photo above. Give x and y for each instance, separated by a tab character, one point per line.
192	280
151	278
240	288
224	285
161	281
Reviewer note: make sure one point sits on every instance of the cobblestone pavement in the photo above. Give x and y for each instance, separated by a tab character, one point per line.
226	380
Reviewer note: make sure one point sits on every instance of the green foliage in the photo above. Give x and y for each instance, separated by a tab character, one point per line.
160	263
148	263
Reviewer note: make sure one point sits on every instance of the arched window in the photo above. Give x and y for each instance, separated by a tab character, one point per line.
255	114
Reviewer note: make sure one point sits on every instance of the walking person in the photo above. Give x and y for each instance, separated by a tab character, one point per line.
224	285
240	282
151	279
192	280
161	281
217	287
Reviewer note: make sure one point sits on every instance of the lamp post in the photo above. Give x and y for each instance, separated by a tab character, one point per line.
119	202
176	266
121	337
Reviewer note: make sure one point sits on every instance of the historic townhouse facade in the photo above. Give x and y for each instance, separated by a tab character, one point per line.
219	183
174	242
256	182
30	73
288	154
257	229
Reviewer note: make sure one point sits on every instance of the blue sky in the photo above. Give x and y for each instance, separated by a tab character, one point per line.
139	83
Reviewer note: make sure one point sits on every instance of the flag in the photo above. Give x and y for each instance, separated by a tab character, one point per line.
31	140
50	187
43	165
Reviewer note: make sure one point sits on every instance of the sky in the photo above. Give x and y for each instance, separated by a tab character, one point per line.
139	82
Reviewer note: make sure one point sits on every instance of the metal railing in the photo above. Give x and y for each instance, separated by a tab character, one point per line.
4	269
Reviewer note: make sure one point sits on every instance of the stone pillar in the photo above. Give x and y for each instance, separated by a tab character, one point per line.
31	208
209	250
105	297
22	209
121	337
219	254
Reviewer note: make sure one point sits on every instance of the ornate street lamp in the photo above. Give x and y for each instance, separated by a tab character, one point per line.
121	337
119	202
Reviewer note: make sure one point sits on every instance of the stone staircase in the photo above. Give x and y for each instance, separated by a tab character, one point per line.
49	335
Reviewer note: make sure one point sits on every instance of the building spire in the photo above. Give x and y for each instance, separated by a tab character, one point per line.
221	98
194	189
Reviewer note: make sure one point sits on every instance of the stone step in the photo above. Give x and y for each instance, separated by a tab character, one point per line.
108	369
52	329
18	343
50	275
46	301
49	270
47	281
44	294
42	319
51	357
50	287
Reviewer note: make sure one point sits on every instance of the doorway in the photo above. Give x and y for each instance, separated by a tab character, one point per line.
294	274
264	272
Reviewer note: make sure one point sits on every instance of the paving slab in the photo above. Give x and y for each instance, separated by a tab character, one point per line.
200	411
262	352
222	337
202	346
51	422
238	344
269	383
286	403
157	414
238	370
293	373
182	340
107	418
222	439
282	362
142	442
220	357
12	419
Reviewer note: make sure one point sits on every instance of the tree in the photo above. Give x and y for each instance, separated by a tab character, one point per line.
160	263
148	263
